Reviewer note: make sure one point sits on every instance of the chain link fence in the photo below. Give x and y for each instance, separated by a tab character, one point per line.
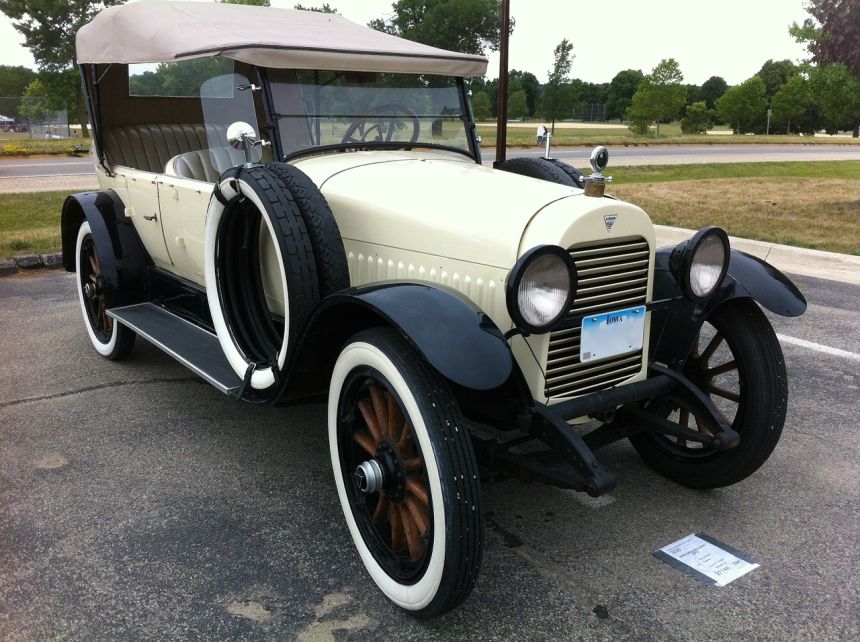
28	118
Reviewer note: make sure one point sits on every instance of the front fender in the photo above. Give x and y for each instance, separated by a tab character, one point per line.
122	257
452	334
675	326
747	277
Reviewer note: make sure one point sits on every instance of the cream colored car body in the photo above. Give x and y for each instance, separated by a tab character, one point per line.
425	216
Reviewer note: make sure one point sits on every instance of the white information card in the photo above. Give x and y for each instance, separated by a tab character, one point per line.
706	559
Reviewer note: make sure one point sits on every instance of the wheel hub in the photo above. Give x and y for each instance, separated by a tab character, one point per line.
91	290
369	476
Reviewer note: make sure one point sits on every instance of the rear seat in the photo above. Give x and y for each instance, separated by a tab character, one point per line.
177	150
205	164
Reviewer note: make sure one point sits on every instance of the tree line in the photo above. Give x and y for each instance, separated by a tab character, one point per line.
820	93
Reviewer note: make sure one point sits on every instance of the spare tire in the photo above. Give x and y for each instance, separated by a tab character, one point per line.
261	278
546	169
332	268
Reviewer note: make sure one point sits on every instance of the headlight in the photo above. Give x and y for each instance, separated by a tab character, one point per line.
701	263
540	288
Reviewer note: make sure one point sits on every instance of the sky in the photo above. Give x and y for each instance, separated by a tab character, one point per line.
730	38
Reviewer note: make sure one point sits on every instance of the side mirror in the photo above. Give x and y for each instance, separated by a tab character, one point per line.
241	135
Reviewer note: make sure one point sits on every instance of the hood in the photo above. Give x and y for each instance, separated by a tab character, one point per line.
432	203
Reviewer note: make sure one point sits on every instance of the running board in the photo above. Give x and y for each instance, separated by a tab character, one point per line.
192	346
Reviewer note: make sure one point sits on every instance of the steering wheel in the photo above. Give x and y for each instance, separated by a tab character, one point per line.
382	131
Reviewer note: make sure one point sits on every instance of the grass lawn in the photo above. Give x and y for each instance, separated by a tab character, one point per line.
30	223
669	135
815	205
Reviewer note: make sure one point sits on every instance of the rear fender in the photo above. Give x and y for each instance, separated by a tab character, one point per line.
122	257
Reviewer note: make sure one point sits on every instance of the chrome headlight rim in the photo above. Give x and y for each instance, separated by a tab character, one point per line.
515	278
688	256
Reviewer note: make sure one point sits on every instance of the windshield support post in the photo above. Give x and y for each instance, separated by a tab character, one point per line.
91	97
469	120
502	121
269	113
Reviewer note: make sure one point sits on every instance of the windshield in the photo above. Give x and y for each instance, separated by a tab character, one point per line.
365	110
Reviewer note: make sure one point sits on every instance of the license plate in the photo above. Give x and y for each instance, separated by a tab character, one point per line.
611	333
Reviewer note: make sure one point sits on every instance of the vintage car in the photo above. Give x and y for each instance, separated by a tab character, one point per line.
294	206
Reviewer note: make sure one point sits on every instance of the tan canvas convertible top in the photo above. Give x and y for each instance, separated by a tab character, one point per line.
152	31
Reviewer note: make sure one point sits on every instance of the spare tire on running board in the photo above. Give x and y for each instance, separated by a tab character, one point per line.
260	270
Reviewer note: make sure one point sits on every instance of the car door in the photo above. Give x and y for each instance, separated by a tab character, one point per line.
183	204
139	193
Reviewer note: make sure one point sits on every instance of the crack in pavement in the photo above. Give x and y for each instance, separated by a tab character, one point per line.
104	386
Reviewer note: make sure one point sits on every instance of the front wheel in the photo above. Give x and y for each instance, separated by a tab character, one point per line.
738	362
112	340
406	474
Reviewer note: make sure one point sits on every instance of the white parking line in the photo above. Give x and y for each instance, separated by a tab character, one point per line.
810	345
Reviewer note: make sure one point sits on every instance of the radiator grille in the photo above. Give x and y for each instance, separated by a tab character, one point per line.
612	276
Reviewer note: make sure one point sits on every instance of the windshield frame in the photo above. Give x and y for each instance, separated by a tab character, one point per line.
272	122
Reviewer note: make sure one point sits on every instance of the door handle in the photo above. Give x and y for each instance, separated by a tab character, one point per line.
154	217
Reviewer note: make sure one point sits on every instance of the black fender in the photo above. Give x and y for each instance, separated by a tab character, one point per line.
675	325
455	337
122	256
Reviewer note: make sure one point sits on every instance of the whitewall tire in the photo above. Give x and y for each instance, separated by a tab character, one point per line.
259	297
111	339
419	531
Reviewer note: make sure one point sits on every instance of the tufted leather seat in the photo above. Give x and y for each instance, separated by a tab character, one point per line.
205	164
149	147
177	150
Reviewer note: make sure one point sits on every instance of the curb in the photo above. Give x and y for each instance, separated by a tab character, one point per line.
786	258
28	262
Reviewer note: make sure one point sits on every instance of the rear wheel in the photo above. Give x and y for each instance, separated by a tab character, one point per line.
738	362
110	339
406	474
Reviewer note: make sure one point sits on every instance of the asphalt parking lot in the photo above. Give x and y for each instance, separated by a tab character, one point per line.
137	502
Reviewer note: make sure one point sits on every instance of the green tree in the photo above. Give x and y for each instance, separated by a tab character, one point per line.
529	83
34	102
325	8
832	33
660	96
698	118
712	89
256	3
49	28
791	102
621	90
468	26
744	105
14	80
517	105
556	93
481	106
775	75
837	93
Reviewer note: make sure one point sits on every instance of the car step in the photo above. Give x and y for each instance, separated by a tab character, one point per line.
192	346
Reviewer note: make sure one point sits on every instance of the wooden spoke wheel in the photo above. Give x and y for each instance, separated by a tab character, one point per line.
738	362
398	498
110	339
92	284
405	472
712	365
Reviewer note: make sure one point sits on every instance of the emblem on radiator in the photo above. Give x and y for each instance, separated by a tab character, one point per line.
609	220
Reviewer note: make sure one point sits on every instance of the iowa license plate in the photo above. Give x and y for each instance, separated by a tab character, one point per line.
611	333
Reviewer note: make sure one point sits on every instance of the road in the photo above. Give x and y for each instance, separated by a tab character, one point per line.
138	502
645	155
